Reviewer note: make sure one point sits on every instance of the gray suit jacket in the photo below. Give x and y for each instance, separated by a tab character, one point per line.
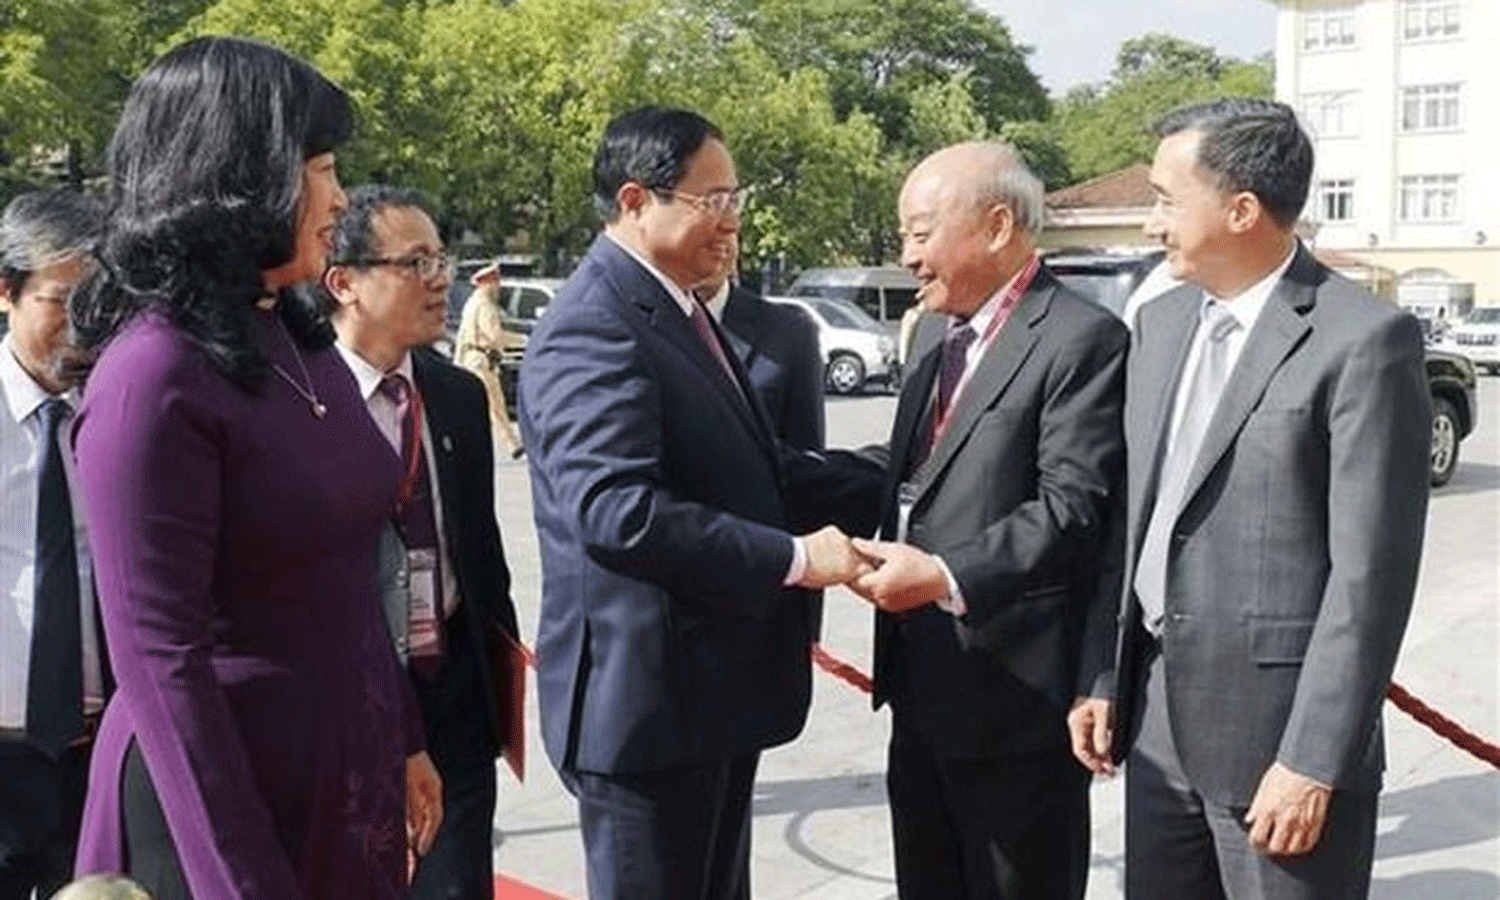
1295	555
1015	498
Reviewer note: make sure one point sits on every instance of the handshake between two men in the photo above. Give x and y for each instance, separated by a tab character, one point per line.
895	577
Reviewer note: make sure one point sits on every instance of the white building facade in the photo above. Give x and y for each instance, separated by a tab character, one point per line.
1402	98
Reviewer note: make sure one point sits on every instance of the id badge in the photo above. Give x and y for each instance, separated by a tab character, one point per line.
906	498
421	611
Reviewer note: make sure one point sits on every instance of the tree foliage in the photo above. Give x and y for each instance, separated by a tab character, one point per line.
494	108
1107	127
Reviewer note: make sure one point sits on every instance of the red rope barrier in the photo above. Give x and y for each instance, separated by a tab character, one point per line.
1399	696
1443	726
841	670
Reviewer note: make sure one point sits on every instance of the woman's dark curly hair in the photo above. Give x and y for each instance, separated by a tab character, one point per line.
205	178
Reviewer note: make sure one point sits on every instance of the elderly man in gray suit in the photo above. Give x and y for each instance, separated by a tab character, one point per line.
1277	424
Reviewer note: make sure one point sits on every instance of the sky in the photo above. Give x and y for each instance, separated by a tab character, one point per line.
1075	41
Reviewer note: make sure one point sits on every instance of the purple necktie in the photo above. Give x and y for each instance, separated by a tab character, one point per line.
415	518
951	367
705	330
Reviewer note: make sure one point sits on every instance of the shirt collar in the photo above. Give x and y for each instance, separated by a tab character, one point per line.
367	376
22	394
715	304
986	313
682	298
1247	305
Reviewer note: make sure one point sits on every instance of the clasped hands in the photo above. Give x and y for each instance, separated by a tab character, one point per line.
895	577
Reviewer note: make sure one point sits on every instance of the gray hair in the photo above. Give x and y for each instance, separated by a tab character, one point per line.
996	174
40	228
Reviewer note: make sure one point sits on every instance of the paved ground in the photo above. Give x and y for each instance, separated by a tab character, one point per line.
821	829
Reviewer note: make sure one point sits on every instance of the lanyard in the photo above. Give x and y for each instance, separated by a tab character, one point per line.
1018	286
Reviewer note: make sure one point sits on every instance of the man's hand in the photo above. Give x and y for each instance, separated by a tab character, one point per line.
1287	814
903	578
424	802
831	559
1089	724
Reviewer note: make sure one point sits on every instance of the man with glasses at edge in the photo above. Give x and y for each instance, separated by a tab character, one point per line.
674	529
52	667
388	277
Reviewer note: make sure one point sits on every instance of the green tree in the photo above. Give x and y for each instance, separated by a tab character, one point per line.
65	68
1108	126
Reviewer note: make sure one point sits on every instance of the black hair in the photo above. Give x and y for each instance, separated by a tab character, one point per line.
1251	145
205	180
354	230
40	228
649	145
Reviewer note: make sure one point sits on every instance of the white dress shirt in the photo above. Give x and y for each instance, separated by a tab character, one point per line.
685	301
21	448
388	419
1246	308
715	304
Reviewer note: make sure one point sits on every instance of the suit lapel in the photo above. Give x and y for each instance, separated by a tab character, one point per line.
1168	325
916	399
995	370
444	442
638	286
1278	331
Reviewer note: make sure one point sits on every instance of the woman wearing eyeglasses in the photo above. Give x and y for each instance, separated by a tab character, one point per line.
263	742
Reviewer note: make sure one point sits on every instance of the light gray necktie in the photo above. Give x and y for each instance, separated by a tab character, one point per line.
1202	397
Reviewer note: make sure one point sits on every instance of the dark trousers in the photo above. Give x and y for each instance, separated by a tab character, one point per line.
41	802
1180	846
677	834
461	741
998	828
152	854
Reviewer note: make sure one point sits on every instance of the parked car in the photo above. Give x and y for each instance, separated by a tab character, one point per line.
1109	279
522	302
1451	378
883	292
1478	338
856	349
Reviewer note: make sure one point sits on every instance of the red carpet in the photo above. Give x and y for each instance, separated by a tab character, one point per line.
510	889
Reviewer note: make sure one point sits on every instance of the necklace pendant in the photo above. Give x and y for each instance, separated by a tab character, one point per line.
319	409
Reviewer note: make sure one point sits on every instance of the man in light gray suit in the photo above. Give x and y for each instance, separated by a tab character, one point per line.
1277	428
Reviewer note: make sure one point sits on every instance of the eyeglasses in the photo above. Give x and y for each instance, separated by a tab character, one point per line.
426	266
716	203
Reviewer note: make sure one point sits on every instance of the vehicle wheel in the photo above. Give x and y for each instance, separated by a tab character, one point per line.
1444	441
846	373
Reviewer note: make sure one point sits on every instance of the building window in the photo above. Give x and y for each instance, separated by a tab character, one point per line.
1331	30
1429	198
1430	107
1331	114
1336	199
1423	20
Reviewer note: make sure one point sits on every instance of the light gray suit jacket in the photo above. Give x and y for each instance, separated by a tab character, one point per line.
1294	558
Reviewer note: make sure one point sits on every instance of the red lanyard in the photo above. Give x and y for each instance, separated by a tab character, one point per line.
414	454
1008	301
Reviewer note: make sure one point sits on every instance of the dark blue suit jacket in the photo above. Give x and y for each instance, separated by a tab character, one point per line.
778	346
661	502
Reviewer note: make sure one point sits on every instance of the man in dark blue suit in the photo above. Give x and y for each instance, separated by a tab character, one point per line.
674	636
